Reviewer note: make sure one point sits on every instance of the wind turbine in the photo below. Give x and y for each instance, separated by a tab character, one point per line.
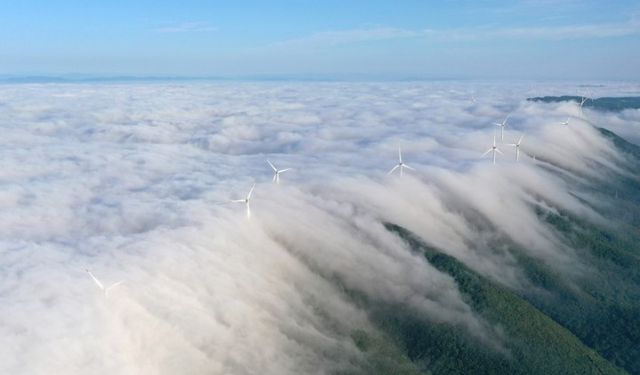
104	290
400	164
517	146
493	150
582	101
276	172
246	201
502	125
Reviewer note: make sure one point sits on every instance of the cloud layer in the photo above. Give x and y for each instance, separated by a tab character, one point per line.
132	181
489	32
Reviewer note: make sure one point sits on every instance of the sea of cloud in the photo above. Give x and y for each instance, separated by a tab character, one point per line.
133	182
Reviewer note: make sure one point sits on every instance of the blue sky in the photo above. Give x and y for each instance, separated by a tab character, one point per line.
527	39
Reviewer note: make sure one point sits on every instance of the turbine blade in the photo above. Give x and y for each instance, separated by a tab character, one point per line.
284	170
393	169
95	280
251	191
272	166
488	151
520	140
408	167
238	200
399	154
499	152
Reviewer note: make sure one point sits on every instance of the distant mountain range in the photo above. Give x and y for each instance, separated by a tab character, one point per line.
603	104
97	79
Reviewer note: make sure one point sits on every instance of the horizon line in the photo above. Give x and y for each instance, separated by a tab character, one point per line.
96	78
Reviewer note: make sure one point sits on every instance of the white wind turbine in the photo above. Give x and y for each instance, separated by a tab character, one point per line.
246	201
517	146
101	286
502	126
400	164
276	172
583	100
493	150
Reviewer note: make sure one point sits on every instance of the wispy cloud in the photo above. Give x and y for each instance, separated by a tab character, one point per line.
341	37
607	30
332	38
186	27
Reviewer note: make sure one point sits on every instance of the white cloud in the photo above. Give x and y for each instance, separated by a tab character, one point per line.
576	31
186	27
492	32
332	38
129	180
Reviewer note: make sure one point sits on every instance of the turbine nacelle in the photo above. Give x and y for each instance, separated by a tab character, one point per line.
277	172
517	146
583	100
502	125
246	201
401	165
493	150
101	286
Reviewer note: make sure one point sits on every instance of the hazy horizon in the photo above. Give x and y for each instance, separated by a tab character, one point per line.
573	85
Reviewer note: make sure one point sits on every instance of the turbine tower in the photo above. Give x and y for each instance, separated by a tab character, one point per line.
400	164
583	100
276	172
517	146
493	150
502	125
246	201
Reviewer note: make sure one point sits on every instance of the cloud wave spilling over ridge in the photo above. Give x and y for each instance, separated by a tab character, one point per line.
132	181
